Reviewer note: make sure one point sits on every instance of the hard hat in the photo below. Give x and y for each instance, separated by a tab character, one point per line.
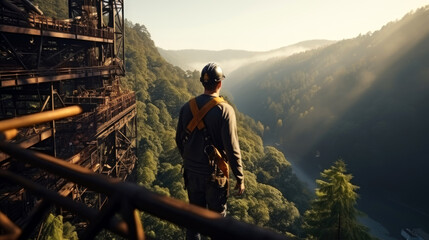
211	73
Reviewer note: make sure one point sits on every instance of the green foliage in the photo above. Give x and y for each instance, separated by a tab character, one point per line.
333	213
265	206
55	229
53	8
274	169
161	90
158	229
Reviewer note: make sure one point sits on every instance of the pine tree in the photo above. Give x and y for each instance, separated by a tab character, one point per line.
332	214
54	228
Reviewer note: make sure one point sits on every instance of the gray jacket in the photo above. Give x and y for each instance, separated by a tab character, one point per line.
221	126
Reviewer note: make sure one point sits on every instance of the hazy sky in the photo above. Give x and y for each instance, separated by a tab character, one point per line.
260	25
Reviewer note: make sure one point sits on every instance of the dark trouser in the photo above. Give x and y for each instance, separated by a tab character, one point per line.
205	193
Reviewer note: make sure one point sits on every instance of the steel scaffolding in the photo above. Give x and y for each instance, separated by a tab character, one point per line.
48	64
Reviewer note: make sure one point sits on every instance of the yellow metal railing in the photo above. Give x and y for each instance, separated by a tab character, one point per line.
36	118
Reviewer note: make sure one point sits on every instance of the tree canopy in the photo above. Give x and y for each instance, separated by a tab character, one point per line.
333	214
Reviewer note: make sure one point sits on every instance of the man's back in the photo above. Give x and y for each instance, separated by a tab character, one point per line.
220	123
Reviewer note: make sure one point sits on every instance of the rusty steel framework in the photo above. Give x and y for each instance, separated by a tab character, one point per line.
47	64
68	131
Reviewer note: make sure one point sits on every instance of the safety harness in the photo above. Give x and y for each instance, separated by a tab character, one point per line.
217	158
198	114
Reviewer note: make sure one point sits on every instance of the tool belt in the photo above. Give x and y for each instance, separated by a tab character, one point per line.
220	173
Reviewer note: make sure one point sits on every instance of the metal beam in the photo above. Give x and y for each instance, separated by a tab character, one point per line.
12	50
119	120
41	117
54	34
68	58
34	77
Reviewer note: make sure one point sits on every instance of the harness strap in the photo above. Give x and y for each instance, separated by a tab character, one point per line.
198	114
195	112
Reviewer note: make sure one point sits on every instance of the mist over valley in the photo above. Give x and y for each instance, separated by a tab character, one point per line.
230	60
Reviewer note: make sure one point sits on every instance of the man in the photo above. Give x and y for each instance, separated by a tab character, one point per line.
217	127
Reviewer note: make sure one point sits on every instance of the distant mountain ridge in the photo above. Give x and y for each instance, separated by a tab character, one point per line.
191	59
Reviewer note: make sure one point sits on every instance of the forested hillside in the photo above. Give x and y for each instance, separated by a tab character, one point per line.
53	8
274	197
363	99
273	193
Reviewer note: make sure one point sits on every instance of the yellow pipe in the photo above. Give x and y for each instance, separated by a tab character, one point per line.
8	134
36	118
